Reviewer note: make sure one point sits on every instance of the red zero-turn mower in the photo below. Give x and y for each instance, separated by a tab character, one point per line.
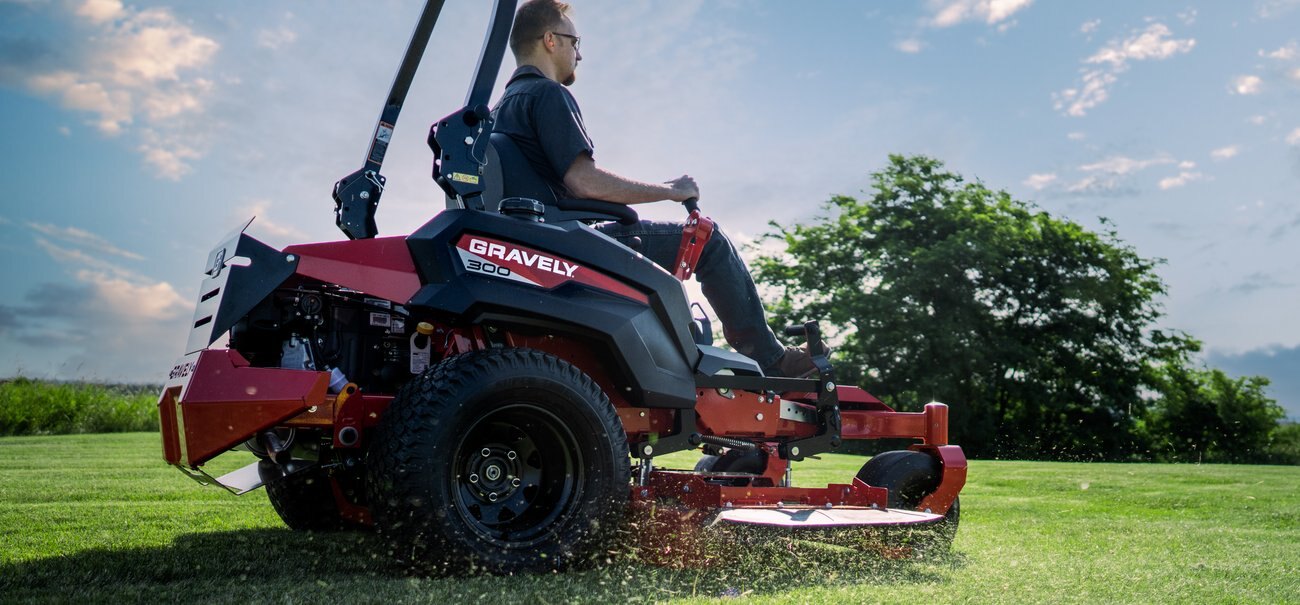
473	390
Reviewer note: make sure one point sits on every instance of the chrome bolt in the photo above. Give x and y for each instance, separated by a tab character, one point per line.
645	493
829	505
642	414
759	416
687	489
493	472
648	450
473	478
486	452
365	195
830	386
290	258
492	497
511	455
794	451
469	140
514	482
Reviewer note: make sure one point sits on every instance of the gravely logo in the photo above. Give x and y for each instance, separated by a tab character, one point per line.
521	264
510	254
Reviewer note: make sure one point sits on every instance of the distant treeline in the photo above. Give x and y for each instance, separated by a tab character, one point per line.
38	407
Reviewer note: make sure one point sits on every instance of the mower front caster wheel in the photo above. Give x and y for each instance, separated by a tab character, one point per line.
910	476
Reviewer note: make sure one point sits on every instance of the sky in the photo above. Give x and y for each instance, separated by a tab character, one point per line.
137	134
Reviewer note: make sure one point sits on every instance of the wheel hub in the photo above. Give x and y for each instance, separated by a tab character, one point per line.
493	474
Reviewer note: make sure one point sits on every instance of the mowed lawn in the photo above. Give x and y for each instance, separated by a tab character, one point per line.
100	518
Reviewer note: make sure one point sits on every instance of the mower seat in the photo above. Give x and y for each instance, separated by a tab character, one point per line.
508	174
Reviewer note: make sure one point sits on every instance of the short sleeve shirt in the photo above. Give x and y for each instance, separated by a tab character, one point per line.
545	122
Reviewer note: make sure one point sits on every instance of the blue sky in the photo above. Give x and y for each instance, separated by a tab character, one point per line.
136	134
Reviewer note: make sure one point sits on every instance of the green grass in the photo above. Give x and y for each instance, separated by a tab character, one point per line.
37	407
96	518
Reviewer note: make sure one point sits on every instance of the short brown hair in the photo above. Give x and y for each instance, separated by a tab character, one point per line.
533	19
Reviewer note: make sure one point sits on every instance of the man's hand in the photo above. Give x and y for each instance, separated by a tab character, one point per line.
684	188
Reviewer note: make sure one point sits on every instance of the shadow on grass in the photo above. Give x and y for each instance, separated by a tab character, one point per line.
273	565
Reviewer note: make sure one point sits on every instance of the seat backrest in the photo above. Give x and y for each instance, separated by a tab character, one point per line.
508	174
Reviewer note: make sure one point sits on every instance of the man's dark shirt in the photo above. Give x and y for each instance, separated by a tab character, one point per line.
545	122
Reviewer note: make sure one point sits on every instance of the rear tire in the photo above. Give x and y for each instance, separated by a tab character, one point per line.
507	460
910	476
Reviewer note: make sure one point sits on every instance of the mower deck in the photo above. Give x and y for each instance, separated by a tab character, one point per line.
820	518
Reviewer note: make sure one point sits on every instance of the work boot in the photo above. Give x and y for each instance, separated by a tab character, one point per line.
795	363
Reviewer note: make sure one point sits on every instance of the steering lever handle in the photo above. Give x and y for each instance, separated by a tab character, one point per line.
692	204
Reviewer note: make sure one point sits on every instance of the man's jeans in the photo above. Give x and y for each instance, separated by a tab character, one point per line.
723	277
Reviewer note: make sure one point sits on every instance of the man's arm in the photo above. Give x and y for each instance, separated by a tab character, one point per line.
587	180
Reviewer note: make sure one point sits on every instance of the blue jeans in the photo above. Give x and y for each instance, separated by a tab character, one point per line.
723	277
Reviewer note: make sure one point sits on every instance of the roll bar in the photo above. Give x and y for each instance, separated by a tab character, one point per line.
459	140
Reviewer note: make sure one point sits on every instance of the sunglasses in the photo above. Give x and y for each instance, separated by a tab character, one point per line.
577	40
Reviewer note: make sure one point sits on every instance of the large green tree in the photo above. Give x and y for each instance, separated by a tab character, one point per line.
1204	415
1036	331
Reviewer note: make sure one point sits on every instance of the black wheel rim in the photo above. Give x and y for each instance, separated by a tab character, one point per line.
518	472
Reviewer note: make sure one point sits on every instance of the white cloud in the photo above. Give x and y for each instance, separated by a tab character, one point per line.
1188	16
73	256
1038	182
153	46
135	71
100	11
134	300
124	293
1224	153
1077	101
1089	26
81	237
261	209
275	39
1186	165
948	13
1294	74
1294	137
1092	184
167	156
1246	85
1076	136
1283	53
1153	43
1183	178
113	107
179	99
1121	165
910	46
1271	9
1257	120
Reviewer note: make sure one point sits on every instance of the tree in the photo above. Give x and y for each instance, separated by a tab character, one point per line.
1204	415
1036	331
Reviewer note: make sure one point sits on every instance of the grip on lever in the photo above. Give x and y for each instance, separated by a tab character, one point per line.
692	204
